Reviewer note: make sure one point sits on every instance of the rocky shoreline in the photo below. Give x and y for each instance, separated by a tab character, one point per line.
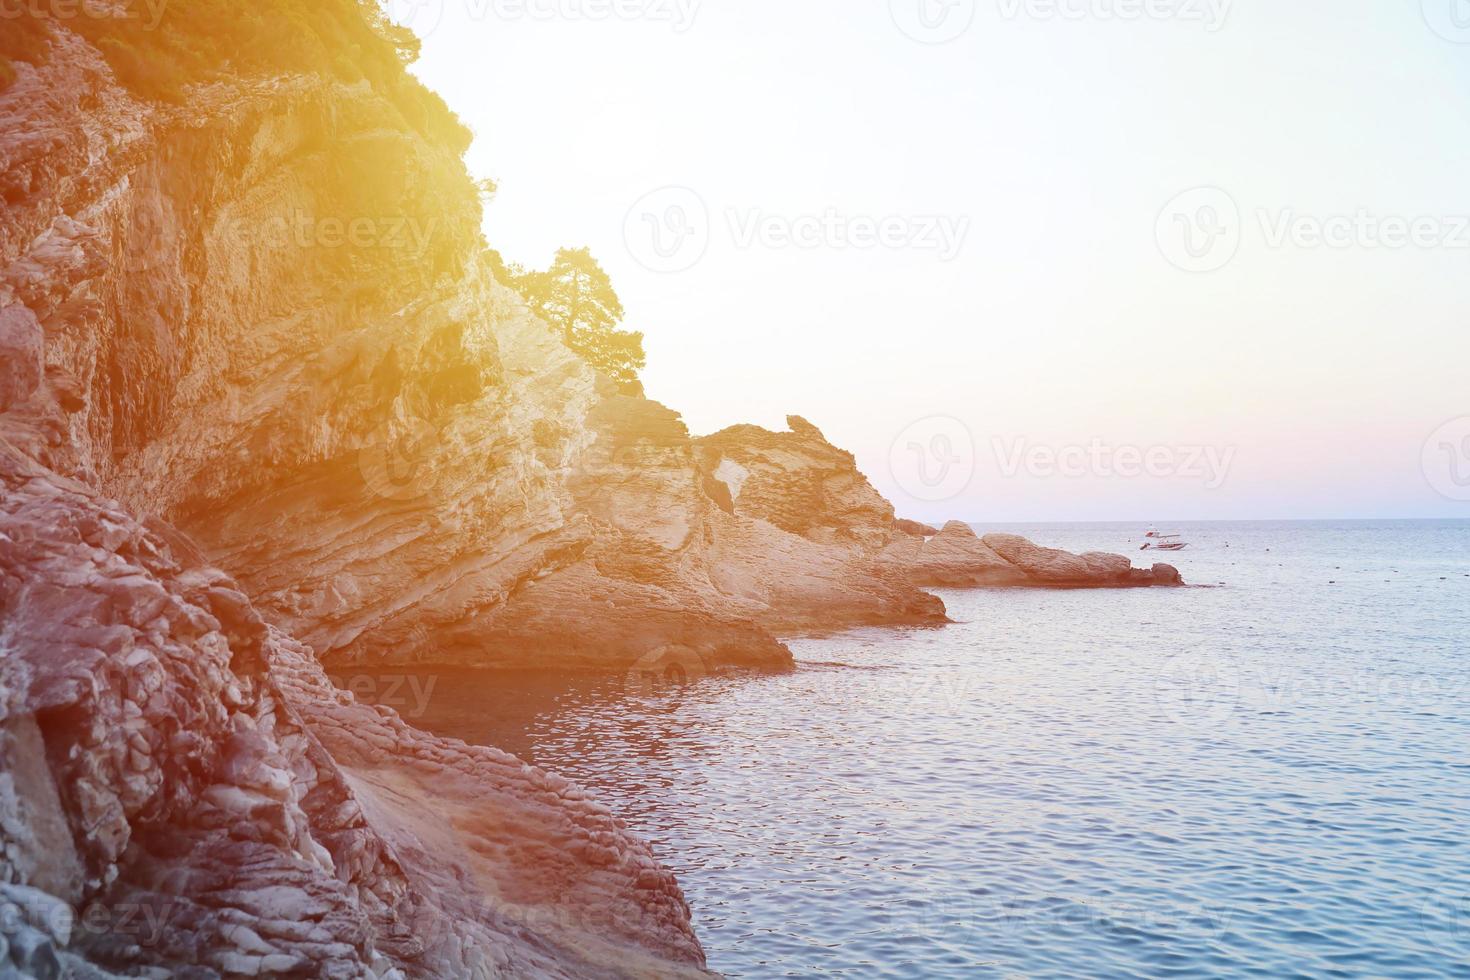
229	461
955	557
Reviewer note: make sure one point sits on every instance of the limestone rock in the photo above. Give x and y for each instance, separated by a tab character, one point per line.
338	426
797	481
958	558
914	528
224	806
1166	575
229	454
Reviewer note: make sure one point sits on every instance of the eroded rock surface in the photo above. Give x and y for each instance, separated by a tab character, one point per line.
956	557
235	445
397	462
182	793
182	790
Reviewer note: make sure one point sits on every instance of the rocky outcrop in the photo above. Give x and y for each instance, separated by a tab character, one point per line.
803	532
397	461
956	557
798	482
181	788
263	406
1092	570
953	558
914	528
231	449
182	793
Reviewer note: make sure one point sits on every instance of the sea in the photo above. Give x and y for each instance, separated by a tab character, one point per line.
1266	774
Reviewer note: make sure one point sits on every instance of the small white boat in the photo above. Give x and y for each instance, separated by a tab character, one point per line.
1158	541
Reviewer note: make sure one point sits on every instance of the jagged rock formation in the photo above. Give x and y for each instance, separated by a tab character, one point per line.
914	528
955	557
180	788
262	406
798	482
394	458
1048	566
185	776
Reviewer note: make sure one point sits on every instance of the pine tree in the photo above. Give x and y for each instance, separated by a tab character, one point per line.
576	296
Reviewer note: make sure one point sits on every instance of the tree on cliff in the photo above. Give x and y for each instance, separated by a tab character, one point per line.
576	296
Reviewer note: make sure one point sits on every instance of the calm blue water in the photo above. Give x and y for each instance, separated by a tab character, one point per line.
1270	777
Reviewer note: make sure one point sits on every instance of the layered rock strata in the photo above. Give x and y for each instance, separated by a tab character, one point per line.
956	557
182	793
262	406
182	789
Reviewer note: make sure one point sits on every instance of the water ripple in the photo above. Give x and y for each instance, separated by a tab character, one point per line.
1266	779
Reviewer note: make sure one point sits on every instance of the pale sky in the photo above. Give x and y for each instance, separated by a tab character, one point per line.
1036	291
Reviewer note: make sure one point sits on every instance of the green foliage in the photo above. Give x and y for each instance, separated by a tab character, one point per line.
160	53
576	296
508	273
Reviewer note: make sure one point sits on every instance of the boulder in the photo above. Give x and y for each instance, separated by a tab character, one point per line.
1166	575
955	558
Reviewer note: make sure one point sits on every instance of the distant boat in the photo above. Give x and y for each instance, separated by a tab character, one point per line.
1158	541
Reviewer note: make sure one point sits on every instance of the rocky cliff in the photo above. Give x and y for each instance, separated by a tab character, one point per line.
263	407
396	460
181	789
196	380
